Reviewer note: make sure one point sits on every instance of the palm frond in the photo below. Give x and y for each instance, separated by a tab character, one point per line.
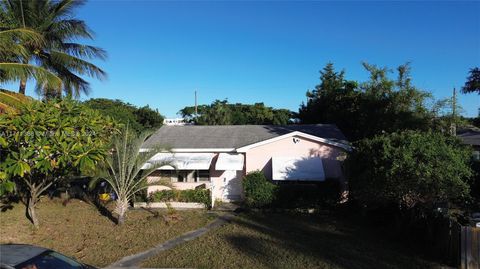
13	41
66	7
126	170
18	71
68	29
77	65
83	51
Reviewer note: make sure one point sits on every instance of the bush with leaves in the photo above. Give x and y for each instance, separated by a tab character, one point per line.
139	119
45	142
259	192
308	194
187	196
409	170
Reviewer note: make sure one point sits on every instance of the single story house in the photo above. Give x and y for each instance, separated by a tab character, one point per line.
219	156
471	136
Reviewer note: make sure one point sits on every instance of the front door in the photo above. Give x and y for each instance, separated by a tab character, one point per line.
232	186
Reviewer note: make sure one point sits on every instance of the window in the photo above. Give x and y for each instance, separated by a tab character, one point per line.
476	155
203	175
48	260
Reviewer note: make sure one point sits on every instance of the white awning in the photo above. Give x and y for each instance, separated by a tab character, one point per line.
228	161
182	161
307	168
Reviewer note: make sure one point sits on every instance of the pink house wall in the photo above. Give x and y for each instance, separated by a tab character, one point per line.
260	158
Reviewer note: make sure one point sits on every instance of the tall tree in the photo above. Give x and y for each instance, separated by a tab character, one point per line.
473	81
59	53
360	110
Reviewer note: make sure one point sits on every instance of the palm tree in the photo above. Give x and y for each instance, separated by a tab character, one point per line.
123	169
12	51
59	54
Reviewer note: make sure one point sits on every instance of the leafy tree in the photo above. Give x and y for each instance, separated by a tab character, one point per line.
223	113
47	142
139	119
55	21
149	118
123	169
361	110
473	81
409	169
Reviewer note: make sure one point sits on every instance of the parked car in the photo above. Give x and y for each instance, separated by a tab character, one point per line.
20	256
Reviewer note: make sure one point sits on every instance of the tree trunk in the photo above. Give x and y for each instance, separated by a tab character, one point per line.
23	86
121	209
32	202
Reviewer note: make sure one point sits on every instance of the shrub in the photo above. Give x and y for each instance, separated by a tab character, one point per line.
162	196
308	195
409	169
188	196
259	192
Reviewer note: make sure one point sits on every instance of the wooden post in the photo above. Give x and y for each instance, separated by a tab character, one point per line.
470	248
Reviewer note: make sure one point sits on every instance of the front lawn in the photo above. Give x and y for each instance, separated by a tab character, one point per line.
274	240
79	230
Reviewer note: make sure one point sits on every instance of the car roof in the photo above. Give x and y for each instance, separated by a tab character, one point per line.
14	254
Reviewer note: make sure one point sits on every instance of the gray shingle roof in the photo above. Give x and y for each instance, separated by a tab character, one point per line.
233	136
469	136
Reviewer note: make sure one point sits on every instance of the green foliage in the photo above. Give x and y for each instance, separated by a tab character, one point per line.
473	81
303	195
366	109
56	54
139	119
189	196
475	184
13	48
126	168
149	118
47	141
223	113
259	192
409	169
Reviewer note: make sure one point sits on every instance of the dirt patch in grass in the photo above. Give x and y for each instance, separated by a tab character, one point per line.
274	240
80	231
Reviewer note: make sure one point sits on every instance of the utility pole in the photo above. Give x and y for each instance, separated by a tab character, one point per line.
196	107
453	127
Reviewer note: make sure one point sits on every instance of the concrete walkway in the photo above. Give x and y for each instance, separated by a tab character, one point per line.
133	261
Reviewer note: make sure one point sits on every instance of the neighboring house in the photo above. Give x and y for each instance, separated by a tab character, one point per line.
219	156
471	136
175	122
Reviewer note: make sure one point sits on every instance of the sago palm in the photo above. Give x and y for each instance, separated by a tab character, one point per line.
126	169
59	53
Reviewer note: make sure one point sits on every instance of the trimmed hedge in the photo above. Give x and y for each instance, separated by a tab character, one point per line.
188	196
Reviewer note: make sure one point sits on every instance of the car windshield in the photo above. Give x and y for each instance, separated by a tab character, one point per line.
50	260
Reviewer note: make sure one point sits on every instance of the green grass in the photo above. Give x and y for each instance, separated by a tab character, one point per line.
80	231
274	240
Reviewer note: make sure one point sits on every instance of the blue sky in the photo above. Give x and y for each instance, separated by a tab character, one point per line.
271	52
